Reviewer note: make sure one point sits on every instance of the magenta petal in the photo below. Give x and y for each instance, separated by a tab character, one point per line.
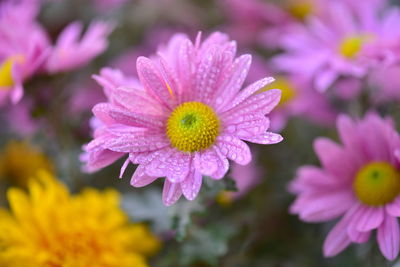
171	192
393	208
388	237
234	149
140	178
337	239
368	218
191	185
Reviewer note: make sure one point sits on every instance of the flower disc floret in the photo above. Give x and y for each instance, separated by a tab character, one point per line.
193	126
377	183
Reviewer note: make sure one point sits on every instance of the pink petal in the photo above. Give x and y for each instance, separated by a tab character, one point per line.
388	237
337	239
325	206
234	149
229	90
100	159
348	132
248	91
70	34
173	164
191	185
210	73
171	192
138	101
152	80
206	162
123	168
140	178
331	155
393	208
325	79
370	218
108	114
367	218
140	142
261	103
310	177
246	125
357	236
222	164
267	138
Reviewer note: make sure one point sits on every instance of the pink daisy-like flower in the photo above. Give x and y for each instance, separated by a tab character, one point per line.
344	42
71	51
359	181
188	118
23	47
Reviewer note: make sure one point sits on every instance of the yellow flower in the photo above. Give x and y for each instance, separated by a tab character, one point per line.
20	161
49	227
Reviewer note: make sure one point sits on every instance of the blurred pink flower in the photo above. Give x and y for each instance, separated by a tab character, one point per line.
343	43
359	181
189	117
69	52
246	177
298	98
22	113
385	84
23	47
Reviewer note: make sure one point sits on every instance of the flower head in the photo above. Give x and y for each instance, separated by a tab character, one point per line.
49	227
22	49
19	171
359	181
187	118
343	42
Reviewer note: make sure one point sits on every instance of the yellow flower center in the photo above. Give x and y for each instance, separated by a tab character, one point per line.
287	89
6	79
351	46
192	126
377	183
300	9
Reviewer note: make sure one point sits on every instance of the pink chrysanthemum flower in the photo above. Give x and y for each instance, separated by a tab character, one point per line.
23	47
359	181
72	51
189	117
343	42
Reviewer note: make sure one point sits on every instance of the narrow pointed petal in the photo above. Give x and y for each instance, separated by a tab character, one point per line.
140	178
191	185
389	237
171	192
